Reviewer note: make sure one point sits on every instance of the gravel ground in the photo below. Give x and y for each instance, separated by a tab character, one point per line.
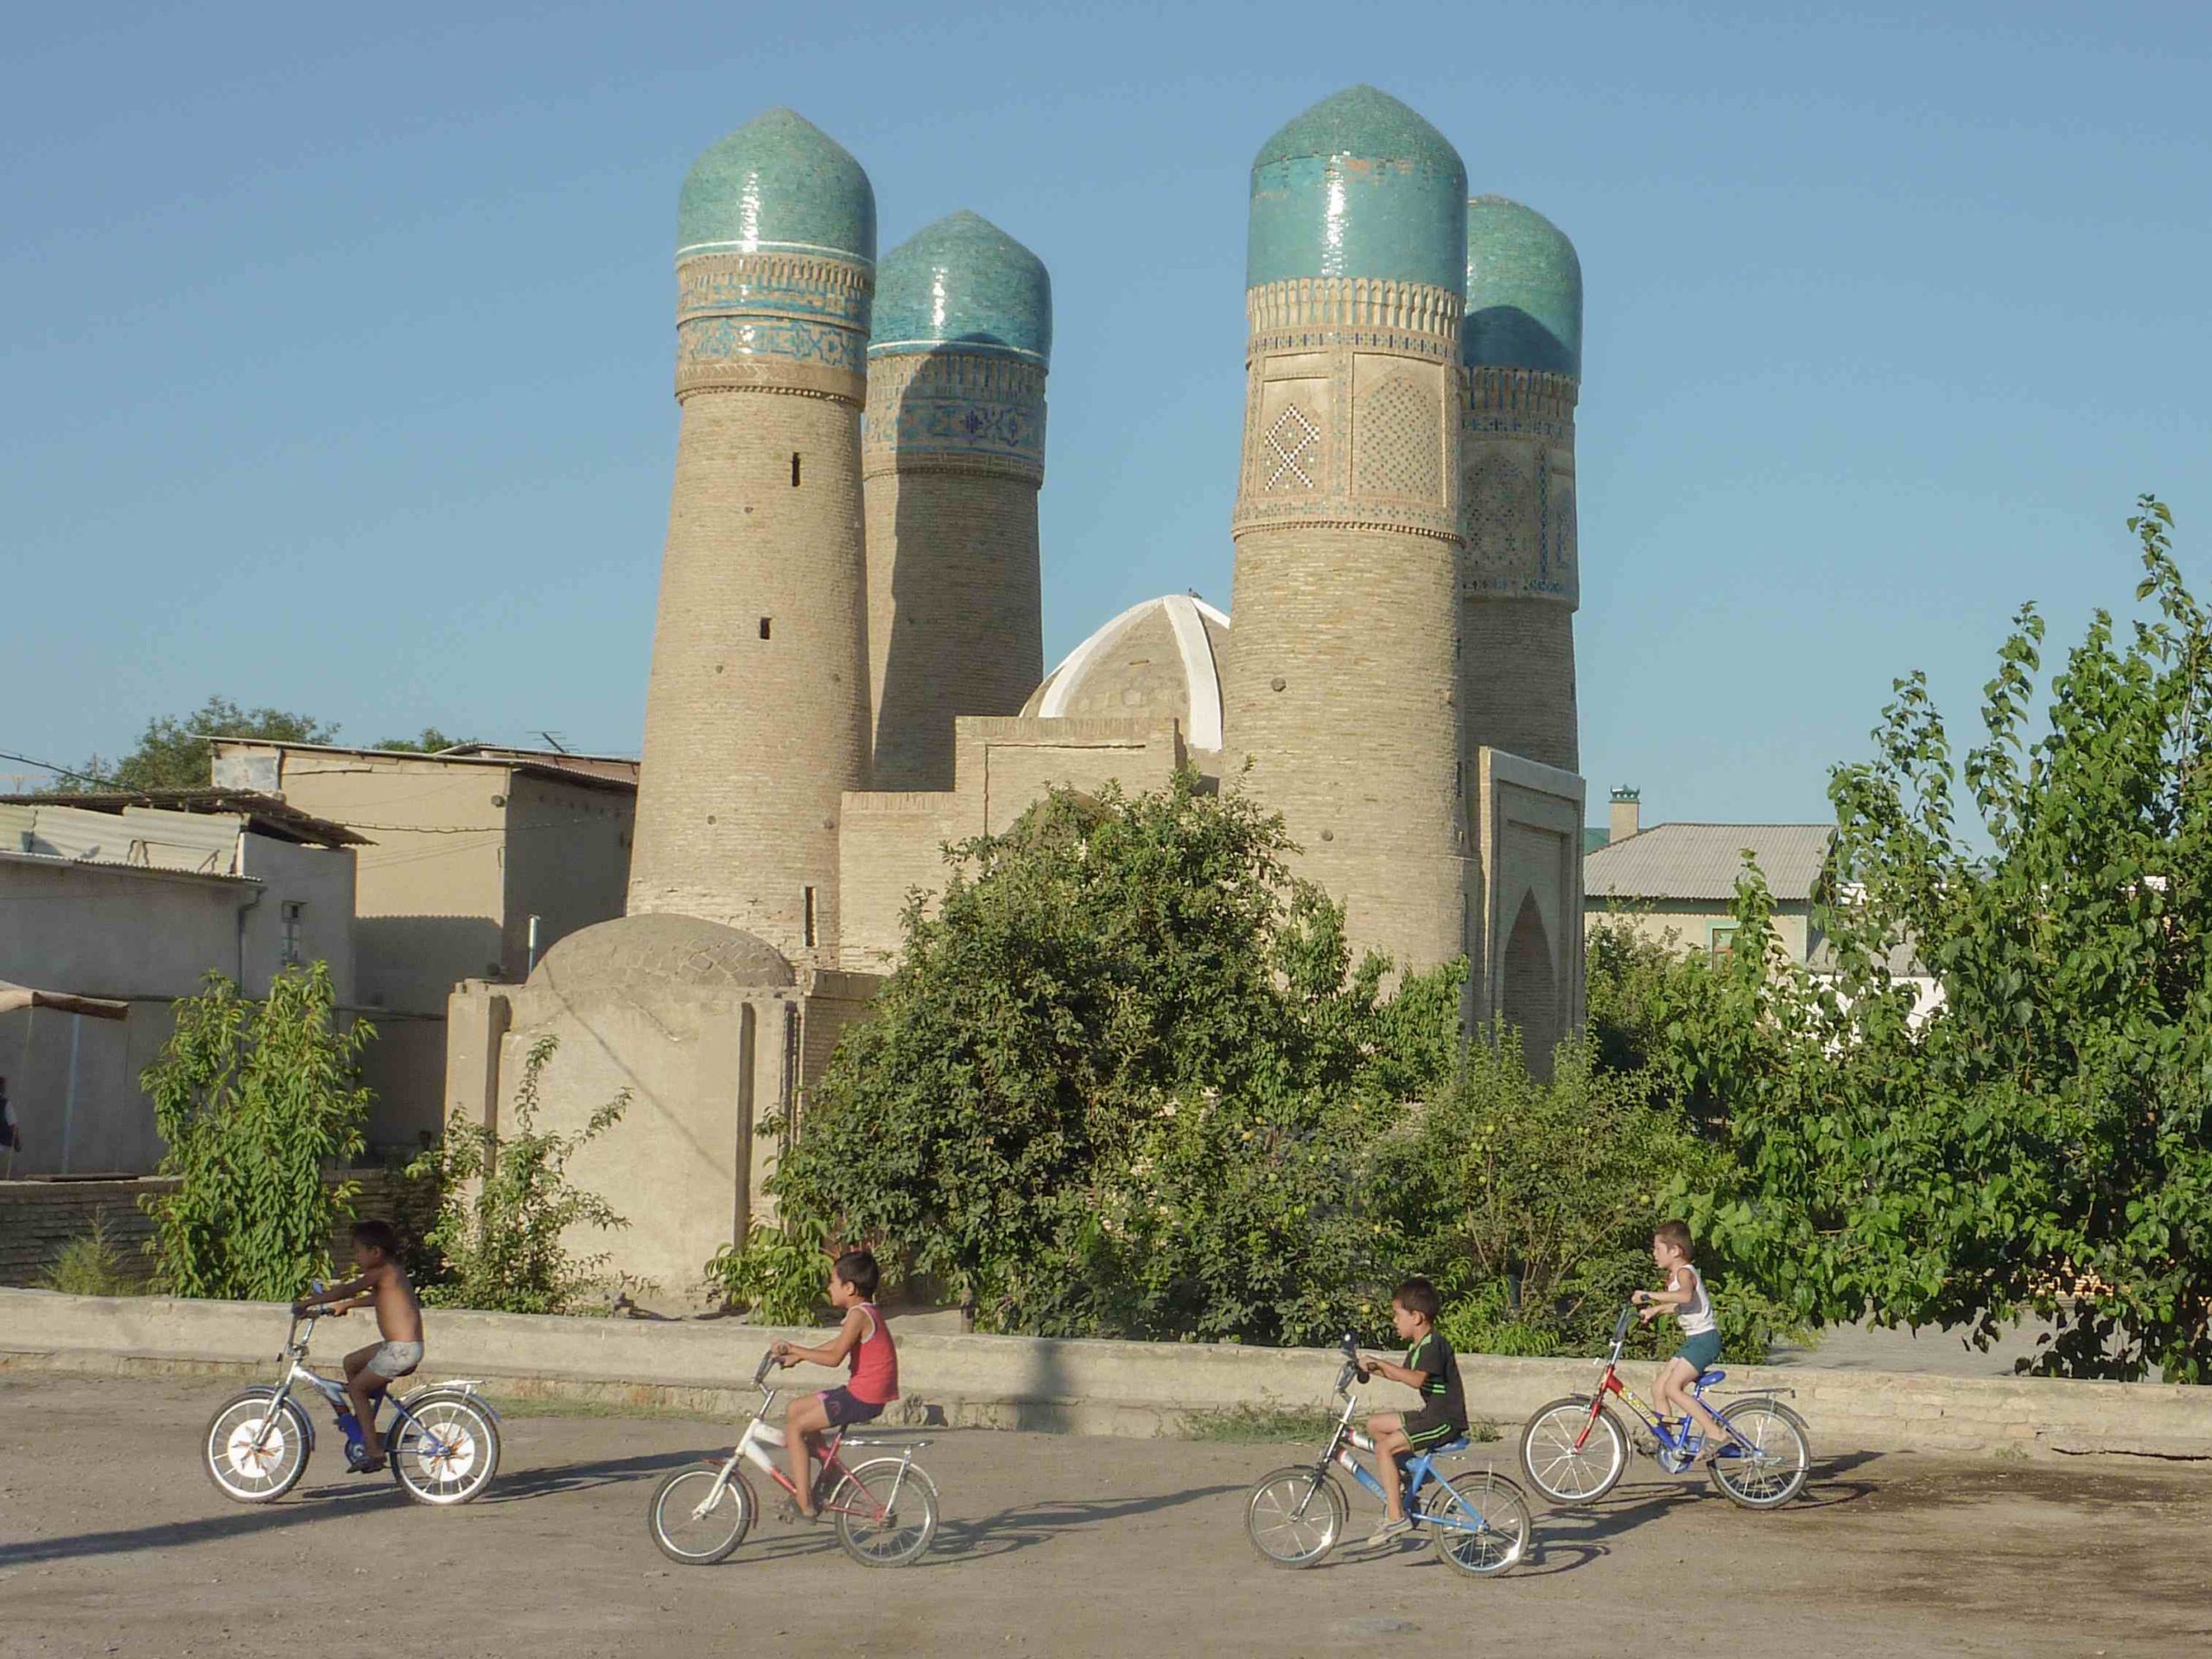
113	1541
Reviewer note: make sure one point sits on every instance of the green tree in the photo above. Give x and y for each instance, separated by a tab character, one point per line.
432	741
256	1101
2042	1141
508	1204
1119	1082
172	753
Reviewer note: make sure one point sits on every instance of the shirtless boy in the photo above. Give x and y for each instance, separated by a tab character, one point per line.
382	1283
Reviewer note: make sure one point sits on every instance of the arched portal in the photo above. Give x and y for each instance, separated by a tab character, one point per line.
1530	993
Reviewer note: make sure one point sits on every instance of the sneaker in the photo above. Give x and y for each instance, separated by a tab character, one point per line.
1389	1530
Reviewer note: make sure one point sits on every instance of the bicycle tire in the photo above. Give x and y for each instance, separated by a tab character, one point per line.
1284	1497
687	1489
1773	1477
223	1446
1569	1475
912	1485
1508	1531
449	1459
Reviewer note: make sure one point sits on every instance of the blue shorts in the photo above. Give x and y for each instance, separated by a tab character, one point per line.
843	1411
1701	1351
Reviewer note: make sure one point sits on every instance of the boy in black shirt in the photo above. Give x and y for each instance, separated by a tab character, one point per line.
1432	1367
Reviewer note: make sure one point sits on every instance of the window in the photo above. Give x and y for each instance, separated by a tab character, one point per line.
764	627
794	469
1722	942
295	915
810	940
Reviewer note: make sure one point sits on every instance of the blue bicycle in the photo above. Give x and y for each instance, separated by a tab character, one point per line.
442	1443
1479	1523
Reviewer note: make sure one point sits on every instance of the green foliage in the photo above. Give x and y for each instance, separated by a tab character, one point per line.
2044	1135
432	741
254	1101
1531	1204
1121	1080
780	1274
93	1264
172	752
508	1205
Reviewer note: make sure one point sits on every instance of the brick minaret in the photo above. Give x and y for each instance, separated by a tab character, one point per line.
953	452
756	716
1523	352
1341	679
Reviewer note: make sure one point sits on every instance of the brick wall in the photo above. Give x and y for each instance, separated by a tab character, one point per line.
37	1218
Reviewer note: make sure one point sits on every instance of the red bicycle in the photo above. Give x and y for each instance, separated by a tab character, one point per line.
885	1509
1573	1450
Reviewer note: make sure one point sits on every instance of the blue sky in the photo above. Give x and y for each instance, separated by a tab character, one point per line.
335	344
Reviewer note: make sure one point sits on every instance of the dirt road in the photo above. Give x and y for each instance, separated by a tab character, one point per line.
113	1542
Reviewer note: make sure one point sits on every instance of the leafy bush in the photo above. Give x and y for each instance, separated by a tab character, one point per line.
1531	1204
507	1206
778	1275
255	1100
1122	1080
93	1264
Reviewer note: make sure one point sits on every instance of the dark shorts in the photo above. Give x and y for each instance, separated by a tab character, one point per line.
1428	1428
1700	1351
843	1411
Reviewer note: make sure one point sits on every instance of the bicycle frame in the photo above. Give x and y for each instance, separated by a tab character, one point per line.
334	1393
761	1436
1684	1443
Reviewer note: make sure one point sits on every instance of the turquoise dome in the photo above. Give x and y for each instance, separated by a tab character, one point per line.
963	282
1524	290
778	184
1358	185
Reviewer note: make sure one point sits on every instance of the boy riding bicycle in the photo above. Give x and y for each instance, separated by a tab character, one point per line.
864	1341
1685	1296
1431	1369
383	1284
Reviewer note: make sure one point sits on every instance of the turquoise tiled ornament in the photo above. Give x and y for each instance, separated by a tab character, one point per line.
778	184
1358	185
963	282
1524	291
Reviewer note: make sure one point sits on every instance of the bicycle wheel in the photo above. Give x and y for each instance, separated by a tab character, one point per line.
1479	1524
1295	1517
1570	1456
253	1455
886	1512
694	1523
1776	1459
445	1450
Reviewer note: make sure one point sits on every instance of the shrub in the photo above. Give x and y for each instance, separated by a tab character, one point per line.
93	1264
255	1100
778	1275
507	1206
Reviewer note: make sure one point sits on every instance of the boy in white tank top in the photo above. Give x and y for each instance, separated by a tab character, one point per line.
1685	1296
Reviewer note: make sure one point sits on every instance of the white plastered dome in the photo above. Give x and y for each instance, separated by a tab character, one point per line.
1158	658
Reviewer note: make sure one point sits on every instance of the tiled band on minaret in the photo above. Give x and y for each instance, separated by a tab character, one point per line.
1341	682
756	714
953	454
1523	350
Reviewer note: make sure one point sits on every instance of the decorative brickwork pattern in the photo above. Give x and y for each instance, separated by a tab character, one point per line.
954	412
1400	443
742	317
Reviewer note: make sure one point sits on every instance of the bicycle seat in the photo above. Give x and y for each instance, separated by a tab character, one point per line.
1710	1378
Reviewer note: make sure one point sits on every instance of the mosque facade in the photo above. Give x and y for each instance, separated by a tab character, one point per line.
848	672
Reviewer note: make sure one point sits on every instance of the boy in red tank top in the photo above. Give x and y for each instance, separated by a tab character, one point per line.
863	1341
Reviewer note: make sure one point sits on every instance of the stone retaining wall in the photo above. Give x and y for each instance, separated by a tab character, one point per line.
1098	1387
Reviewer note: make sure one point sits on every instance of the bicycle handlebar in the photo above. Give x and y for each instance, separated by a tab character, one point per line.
760	1371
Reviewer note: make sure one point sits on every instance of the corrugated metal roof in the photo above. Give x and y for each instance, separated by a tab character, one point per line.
265	815
1702	861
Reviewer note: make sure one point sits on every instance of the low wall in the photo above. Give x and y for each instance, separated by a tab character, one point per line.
38	1217
1106	1388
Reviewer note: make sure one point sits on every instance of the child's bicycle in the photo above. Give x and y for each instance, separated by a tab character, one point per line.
1573	1450
1479	1523
885	1508
443	1445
